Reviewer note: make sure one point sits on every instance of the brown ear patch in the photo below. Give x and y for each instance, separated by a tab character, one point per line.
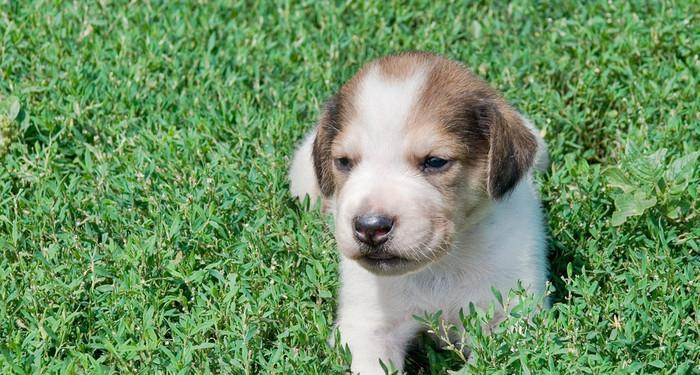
493	133
329	126
512	150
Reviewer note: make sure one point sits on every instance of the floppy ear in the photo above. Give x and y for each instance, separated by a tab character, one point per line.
328	127
512	149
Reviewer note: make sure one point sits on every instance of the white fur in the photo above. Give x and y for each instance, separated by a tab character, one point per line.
302	177
382	179
542	155
384	104
500	243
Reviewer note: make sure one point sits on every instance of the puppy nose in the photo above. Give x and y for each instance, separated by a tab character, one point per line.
372	229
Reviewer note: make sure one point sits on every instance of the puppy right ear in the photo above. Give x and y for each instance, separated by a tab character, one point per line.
329	126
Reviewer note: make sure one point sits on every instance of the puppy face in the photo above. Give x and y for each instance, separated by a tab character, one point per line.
405	152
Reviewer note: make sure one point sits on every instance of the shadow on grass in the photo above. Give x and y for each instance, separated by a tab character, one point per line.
559	257
425	357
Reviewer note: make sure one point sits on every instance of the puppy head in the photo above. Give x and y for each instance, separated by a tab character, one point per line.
404	153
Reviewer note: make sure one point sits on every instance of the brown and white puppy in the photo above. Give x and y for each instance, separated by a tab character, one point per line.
427	173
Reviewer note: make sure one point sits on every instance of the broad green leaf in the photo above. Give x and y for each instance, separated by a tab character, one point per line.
618	179
13	107
627	205
682	168
647	169
673	212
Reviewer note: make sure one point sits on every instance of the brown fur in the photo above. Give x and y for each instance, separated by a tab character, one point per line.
512	151
492	133
401	66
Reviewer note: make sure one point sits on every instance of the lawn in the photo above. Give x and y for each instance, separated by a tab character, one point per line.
145	219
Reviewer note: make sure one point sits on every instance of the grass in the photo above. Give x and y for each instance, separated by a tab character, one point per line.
145	223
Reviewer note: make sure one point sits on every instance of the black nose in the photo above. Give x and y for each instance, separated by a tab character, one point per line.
372	229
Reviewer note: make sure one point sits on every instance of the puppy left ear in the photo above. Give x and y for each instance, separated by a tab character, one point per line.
512	150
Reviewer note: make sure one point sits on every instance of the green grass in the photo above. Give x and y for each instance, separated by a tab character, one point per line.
145	223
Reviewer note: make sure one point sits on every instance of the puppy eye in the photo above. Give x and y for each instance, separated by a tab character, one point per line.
434	164
343	164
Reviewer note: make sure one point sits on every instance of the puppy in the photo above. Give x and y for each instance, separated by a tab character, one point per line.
426	171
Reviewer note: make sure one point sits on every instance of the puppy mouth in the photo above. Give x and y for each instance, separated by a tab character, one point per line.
383	261
381	253
385	264
378	256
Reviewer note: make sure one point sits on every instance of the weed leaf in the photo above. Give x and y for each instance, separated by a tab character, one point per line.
627	205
